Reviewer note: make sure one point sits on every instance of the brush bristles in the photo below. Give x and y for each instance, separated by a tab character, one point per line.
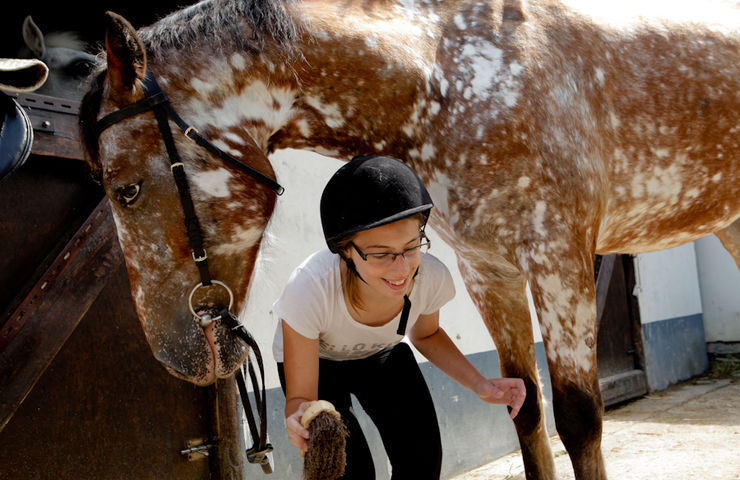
325	458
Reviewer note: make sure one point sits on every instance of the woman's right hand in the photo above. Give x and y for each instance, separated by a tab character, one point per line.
296	433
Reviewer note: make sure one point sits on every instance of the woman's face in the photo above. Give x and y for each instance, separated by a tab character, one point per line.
384	275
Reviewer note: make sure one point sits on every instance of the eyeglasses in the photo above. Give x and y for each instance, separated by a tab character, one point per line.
385	259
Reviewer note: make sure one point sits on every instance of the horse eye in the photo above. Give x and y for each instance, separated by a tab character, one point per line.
128	194
79	69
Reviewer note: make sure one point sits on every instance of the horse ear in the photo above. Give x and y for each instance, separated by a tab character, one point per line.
125	54
33	37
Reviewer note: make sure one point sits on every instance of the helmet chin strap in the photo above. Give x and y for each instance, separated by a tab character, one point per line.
406	302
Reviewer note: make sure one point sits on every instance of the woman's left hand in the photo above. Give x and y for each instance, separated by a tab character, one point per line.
504	391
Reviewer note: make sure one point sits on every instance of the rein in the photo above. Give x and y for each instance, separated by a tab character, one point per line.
157	101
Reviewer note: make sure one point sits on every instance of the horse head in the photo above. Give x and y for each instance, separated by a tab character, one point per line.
64	53
231	207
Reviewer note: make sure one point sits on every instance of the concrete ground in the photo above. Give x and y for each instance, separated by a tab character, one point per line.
689	431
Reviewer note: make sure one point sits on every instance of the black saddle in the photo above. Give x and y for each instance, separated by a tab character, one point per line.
16	135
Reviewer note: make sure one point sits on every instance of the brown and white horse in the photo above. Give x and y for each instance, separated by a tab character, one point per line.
544	133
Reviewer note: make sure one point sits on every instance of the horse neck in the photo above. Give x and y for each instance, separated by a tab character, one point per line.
367	69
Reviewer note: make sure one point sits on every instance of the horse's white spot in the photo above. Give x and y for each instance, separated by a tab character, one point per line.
241	241
226	148
238	61
717	177
599	76
489	76
371	41
255	102
213	182
666	183
332	115
379	145
427	151
614	120
434	108
233	137
661	152
444	87
460	21
203	87
538	218
523	182
304	127
638	185
516	68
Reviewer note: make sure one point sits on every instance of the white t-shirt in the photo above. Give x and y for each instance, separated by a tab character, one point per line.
313	305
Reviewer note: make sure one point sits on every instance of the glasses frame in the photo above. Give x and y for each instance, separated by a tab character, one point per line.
424	242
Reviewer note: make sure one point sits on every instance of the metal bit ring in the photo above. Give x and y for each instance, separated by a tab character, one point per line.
206	320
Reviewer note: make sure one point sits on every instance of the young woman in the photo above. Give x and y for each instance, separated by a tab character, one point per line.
345	311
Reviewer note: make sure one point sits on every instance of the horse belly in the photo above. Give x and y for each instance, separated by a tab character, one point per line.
641	227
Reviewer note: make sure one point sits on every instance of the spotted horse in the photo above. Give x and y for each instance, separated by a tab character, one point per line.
546	132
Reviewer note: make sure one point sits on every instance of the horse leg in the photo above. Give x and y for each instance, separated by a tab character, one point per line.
562	285
501	300
730	238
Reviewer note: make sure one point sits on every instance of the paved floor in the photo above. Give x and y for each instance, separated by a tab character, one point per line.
690	431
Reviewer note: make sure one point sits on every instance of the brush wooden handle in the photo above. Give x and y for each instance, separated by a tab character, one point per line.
314	409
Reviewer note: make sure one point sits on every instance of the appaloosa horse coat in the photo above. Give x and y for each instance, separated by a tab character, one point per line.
545	135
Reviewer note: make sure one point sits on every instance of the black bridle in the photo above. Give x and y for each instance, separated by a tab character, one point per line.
156	100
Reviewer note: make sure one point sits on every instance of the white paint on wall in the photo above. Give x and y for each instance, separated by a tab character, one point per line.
719	282
667	284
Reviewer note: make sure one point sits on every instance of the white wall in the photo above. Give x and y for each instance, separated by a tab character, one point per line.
667	284
719	281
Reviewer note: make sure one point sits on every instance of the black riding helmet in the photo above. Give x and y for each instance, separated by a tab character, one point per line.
367	192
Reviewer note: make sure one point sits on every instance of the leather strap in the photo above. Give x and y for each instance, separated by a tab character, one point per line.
257	453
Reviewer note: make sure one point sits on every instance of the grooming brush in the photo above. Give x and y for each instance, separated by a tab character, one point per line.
325	457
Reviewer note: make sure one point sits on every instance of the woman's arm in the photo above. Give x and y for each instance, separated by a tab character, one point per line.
301	365
432	341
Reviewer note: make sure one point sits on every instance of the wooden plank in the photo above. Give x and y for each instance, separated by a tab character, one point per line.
43	321
603	279
55	125
623	386
105	408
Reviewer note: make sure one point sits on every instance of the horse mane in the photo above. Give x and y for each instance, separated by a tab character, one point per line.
220	21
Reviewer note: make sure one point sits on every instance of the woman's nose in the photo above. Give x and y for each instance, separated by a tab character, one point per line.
401	263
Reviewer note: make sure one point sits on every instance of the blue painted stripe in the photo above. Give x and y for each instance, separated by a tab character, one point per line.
675	350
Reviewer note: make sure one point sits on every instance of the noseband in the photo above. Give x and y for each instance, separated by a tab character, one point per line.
156	100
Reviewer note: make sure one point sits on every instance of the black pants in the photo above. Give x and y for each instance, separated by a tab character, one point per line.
392	391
